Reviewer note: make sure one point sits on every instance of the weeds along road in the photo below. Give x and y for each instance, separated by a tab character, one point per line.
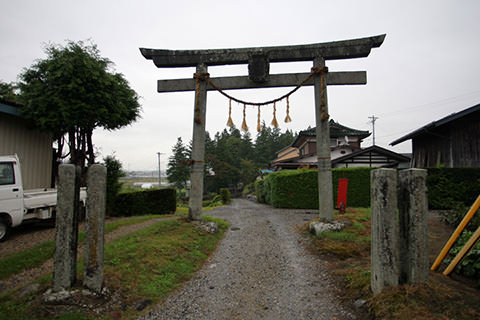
261	270
19	242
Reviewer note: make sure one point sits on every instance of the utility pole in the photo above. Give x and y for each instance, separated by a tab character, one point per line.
373	119
159	172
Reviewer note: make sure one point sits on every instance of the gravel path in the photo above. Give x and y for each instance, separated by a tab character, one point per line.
261	270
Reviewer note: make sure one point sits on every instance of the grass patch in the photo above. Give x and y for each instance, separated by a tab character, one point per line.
27	259
146	264
163	256
36	256
348	256
184	210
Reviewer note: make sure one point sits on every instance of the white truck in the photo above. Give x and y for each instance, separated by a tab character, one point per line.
18	205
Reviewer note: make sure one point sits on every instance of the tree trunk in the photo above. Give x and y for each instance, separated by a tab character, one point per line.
91	153
72	145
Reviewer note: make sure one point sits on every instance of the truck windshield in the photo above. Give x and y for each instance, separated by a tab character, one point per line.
6	173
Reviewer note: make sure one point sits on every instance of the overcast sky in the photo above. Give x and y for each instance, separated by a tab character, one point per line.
428	66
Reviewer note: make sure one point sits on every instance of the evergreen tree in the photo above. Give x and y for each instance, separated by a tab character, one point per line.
178	171
232	158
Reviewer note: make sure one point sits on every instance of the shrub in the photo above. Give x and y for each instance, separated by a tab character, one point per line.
159	201
249	188
470	265
456	214
358	192
114	172
447	187
292	189
225	195
260	191
299	188
212	200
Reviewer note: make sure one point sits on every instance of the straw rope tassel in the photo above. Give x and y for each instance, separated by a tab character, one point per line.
244	123
230	121
274	121
287	118
259	126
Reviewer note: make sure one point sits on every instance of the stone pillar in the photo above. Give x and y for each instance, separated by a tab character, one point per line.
198	147
385	248
95	227
413	215
66	228
325	187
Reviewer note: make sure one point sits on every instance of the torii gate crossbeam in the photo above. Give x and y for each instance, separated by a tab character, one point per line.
258	60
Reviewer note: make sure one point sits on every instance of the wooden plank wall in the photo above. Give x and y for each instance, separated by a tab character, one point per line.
456	144
33	148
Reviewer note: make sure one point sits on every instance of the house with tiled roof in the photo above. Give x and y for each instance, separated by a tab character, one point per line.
345	145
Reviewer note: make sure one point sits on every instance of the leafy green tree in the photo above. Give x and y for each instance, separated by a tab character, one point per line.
178	171
232	158
8	91
114	173
248	171
73	91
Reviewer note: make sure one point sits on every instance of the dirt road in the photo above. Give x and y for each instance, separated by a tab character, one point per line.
261	270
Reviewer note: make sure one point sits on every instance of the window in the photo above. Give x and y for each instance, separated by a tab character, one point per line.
6	173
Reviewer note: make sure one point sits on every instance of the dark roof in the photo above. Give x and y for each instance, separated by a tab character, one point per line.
9	107
438	123
336	130
386	152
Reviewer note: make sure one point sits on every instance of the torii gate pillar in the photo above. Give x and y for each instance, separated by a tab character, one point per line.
198	148
258	60
325	193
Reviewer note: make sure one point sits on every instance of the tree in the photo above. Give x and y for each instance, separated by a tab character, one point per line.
178	171
8	91
72	92
114	173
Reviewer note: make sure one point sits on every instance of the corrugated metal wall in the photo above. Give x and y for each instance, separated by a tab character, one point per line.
32	147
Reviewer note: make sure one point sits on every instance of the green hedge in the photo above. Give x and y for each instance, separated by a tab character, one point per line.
448	187
260	191
158	201
358	191
292	189
299	188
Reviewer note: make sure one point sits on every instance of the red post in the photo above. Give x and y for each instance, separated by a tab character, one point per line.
342	195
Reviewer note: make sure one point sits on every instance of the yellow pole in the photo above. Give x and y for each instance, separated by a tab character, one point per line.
471	242
456	233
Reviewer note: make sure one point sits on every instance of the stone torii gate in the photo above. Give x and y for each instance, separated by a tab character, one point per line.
258	60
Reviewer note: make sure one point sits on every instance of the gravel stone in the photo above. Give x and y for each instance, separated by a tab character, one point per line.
319	227
261	271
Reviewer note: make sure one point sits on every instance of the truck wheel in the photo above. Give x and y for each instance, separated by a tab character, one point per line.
4	229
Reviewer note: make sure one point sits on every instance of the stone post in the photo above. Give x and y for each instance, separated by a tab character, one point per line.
325	189
95	227
198	147
385	249
413	214
66	229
